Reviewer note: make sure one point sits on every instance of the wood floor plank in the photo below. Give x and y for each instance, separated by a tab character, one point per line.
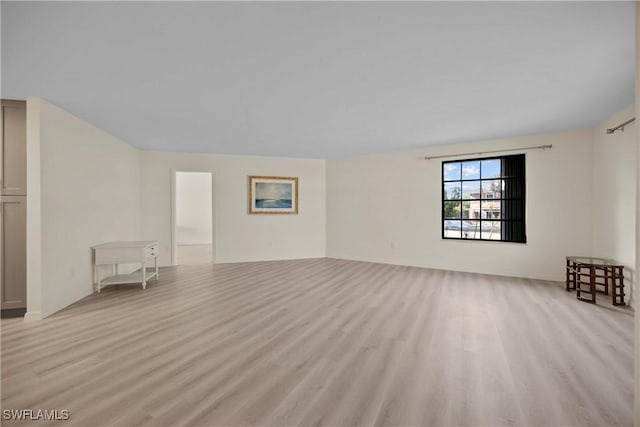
325	342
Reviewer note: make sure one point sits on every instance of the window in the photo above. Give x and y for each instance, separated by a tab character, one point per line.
484	199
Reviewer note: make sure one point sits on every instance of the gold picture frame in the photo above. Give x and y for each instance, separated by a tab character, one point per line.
272	195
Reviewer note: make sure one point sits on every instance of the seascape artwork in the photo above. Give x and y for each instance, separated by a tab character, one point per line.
272	195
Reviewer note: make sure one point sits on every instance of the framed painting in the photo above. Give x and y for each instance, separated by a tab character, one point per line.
273	195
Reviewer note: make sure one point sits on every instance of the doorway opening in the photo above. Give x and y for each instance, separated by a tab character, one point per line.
193	218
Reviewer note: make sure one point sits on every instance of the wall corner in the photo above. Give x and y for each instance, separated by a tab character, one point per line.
34	212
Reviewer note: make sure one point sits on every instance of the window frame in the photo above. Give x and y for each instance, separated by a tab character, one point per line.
481	199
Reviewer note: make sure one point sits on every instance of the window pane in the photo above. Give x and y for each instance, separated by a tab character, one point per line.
471	170
452	191
471	190
451	210
466	210
491	230
474	209
471	229
491	210
491	168
451	171
452	229
492	189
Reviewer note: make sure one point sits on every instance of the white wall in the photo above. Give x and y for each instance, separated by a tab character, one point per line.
637	215
387	208
193	208
237	235
614	194
89	194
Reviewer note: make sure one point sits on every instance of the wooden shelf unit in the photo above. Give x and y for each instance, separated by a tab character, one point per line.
586	275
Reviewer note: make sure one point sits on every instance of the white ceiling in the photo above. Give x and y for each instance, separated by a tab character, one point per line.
321	80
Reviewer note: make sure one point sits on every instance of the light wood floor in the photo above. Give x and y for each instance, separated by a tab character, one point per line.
195	254
325	342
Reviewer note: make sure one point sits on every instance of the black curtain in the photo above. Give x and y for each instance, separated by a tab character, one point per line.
513	203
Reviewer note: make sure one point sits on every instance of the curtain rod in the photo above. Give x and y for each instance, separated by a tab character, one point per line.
479	153
621	126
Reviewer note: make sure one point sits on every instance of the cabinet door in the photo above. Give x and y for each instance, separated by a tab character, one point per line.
13	251
13	148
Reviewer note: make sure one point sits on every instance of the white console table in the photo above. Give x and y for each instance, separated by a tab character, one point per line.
114	253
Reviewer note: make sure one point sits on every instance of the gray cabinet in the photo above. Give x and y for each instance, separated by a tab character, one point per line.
13	251
13	156
13	206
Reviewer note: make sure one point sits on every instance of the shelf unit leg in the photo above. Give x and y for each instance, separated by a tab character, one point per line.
592	283
579	276
618	288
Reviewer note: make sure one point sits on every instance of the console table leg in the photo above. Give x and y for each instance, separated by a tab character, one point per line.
144	276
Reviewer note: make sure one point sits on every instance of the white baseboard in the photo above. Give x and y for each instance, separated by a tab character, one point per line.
31	316
518	275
